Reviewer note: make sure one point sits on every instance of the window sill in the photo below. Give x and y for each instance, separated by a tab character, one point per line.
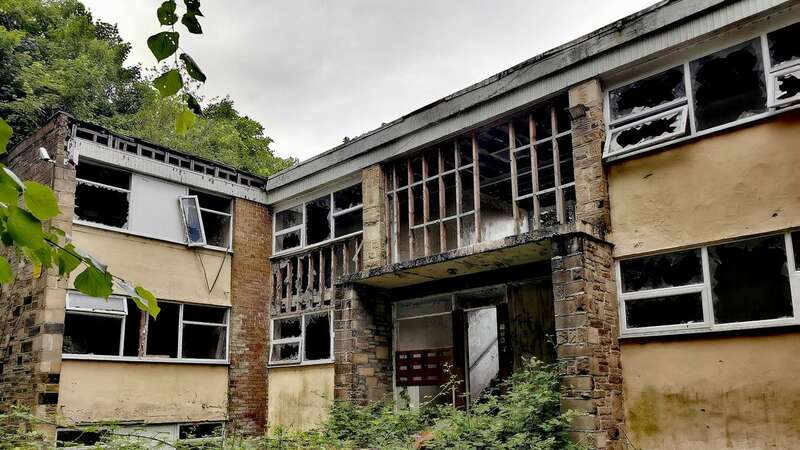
125	231
302	364
610	158
134	359
700	330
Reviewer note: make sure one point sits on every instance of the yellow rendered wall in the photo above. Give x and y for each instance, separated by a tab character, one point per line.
170	271
723	392
92	391
738	183
299	397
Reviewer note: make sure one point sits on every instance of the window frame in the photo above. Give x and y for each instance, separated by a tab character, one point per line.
708	324
301	340
122	316
302	226
203	242
148	359
98	185
202	209
692	132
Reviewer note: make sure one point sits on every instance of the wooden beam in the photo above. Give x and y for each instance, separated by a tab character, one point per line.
512	144
143	322
410	211
557	167
534	174
459	194
442	205
426	205
322	279
476	188
396	217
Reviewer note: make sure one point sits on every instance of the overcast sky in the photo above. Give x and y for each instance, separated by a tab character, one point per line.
315	71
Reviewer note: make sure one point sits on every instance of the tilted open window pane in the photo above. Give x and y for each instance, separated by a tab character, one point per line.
318	220
648	94
728	85
662	271
750	280
652	130
215	213
286	328
193	224
289	218
667	310
102	195
783	48
317	337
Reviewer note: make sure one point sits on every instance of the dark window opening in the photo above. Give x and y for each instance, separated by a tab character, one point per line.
72	438
347	198
318	225
662	271
728	85
217	228
91	334
289	218
209	201
200	430
750	280
286	328
162	332
286	352
208	314
796	248
203	342
668	310
97	200
318	337
133	323
348	223
103	175
648	93
287	241
649	130
788	85
783	44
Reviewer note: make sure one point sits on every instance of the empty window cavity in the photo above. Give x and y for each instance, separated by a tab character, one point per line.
102	195
662	271
302	338
317	337
96	326
215	212
318	225
728	85
667	310
783	46
647	94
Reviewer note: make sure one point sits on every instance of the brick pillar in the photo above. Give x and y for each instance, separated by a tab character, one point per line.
374	191
32	308
249	325
588	135
363	322
587	327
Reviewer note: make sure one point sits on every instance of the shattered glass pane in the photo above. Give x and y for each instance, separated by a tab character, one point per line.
750	280
548	215
671	124
729	85
318	337
288	352
100	205
347	198
289	218
648	93
287	241
783	44
318	225
668	310
286	328
662	271
787	86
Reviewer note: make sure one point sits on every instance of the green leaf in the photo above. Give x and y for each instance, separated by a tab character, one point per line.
66	261
152	304
193	105
5	271
9	191
94	282
169	83
191	23
166	13
163	44
193	6
25	229
5	135
184	122
40	200
192	68
44	255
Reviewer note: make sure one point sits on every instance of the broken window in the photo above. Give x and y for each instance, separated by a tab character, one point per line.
523	180
215	213
96	326
102	195
649	131
202	432
162	332
78	438
747	281
647	95
784	57
750	280
783	48
193	224
303	338
728	85
318	220
204	332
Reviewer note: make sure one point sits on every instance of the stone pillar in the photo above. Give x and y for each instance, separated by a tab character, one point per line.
363	321
587	328
249	324
588	135
32	307
374	191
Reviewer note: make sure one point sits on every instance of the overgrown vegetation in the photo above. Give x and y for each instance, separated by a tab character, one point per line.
527	416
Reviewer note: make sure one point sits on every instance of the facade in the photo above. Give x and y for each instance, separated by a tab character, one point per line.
626	205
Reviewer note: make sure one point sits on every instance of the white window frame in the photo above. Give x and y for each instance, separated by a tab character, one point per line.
692	132
772	86
121	315
229	246
95	184
203	241
683	111
181	323
707	325
302	227
300	340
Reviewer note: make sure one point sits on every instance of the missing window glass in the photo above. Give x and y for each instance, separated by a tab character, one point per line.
347	198
133	322
653	130
750	280
783	46
102	195
317	337
668	310
318	225
796	247
662	271
162	333
86	334
289	218
286	328
287	352
79	438
348	223
647	94
728	85
287	241
215	211
200	430
203	342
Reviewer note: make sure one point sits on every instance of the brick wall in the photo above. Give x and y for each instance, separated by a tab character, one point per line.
588	135
249	336
587	327
32	309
